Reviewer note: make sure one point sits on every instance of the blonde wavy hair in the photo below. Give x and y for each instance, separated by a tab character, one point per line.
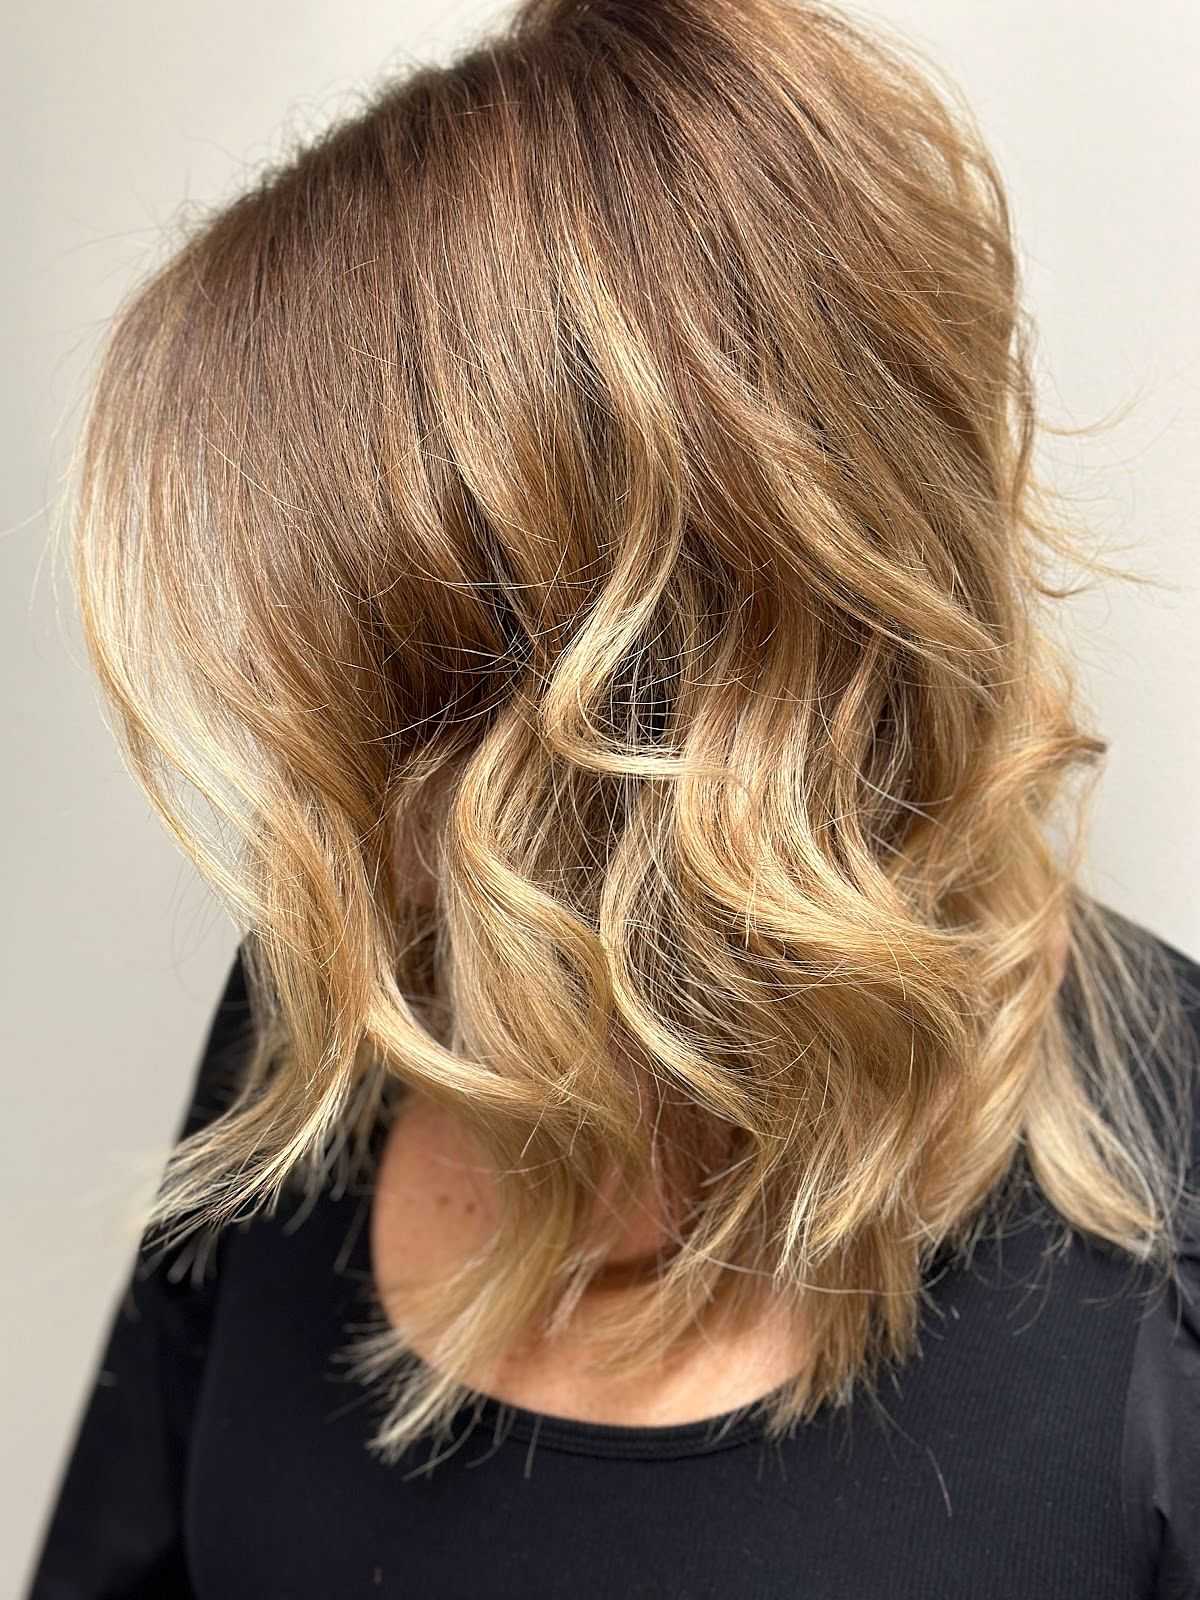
601	466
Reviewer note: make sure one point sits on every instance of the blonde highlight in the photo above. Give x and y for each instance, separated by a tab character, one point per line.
606	463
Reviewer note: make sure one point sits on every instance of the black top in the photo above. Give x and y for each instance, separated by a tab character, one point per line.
1044	1446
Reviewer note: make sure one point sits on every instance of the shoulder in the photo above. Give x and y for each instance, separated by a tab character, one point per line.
1180	1051
1155	959
1186	973
1140	992
224	1048
179	1248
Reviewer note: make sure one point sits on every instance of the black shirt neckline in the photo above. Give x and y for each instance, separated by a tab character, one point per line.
664	1441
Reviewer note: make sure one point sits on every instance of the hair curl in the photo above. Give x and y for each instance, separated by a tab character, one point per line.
605	461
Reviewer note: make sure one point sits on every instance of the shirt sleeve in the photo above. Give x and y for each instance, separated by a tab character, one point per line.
1162	1417
115	1529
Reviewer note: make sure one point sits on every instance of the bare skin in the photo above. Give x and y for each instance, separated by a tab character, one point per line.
434	1204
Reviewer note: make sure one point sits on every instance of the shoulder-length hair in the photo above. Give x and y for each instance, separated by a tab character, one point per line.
606	458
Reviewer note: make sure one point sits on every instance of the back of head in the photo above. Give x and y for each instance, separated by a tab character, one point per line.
603	464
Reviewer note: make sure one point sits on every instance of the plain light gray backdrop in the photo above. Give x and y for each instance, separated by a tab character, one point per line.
120	113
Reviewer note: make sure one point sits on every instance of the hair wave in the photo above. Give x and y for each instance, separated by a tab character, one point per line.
605	461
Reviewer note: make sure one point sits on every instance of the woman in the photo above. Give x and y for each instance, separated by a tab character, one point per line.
676	1124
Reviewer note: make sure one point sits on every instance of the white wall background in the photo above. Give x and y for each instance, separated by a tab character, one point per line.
119	113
